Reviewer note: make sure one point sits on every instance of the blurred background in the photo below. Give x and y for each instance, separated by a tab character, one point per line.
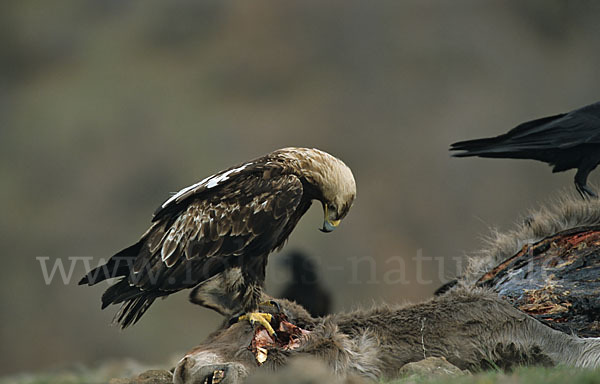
106	107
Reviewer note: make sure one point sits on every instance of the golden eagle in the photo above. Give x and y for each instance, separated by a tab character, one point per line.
216	235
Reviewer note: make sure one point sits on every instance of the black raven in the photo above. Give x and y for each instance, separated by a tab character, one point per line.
565	141
305	288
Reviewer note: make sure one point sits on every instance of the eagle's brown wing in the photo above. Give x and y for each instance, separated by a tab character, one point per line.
200	235
244	217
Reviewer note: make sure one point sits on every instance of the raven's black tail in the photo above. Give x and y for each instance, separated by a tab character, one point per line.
516	143
478	147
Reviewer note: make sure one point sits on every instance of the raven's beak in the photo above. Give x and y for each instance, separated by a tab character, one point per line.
328	224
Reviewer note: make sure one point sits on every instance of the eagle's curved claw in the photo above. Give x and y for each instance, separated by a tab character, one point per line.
261	318
271	303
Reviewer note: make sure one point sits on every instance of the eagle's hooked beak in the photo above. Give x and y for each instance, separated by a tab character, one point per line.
328	224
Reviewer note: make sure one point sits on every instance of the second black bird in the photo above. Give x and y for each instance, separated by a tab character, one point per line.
564	141
305	288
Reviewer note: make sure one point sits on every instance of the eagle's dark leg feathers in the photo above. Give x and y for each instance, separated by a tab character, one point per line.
252	293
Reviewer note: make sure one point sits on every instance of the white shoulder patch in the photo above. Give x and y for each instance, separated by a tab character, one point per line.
214	181
209	182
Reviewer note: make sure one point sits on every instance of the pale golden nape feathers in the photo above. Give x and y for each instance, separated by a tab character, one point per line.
329	174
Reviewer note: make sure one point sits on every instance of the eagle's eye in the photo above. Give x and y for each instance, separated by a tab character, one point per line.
333	209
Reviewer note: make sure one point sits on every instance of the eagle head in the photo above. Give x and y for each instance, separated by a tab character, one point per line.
338	193
332	180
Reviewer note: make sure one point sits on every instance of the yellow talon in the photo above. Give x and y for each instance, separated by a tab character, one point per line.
261	318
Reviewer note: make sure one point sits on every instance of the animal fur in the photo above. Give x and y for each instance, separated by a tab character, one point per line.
472	329
562	213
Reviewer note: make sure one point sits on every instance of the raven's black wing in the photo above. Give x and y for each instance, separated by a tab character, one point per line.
562	131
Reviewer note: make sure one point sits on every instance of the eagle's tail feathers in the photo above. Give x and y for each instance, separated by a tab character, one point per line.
118	265
120	292
132	310
134	302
